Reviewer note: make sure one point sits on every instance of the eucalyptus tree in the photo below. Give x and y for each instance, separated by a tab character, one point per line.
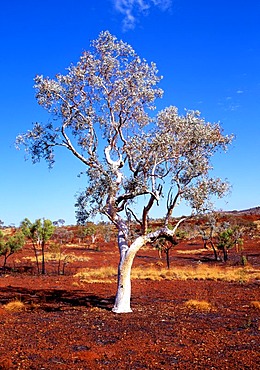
29	230
38	232
10	244
222	232
103	114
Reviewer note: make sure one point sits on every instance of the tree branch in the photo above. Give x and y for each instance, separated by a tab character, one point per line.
148	207
69	145
134	215
171	203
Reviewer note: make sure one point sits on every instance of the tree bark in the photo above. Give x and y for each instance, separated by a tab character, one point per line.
36	257
225	253
43	257
123	295
127	254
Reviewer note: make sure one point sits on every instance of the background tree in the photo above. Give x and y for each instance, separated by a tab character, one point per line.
207	228
106	231
39	233
59	222
60	255
165	246
221	235
102	114
81	233
62	235
229	236
10	244
91	230
29	229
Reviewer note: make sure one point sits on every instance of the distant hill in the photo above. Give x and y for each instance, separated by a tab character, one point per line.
250	211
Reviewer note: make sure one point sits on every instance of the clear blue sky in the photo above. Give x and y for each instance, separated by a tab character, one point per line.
207	51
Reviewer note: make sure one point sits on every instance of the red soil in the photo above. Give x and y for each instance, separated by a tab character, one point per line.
69	325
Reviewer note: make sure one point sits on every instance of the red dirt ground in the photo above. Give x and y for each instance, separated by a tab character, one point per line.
68	325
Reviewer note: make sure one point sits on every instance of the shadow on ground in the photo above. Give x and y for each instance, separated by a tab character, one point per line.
54	299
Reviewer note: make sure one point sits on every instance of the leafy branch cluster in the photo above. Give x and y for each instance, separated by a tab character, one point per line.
103	105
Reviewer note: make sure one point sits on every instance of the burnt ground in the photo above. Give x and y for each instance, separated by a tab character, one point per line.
67	324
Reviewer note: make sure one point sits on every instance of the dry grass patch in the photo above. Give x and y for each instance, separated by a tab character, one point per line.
192	251
194	304
200	272
205	272
154	272
257	223
50	256
256	304
15	306
103	274
148	273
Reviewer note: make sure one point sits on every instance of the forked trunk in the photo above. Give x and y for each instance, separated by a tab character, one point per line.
127	254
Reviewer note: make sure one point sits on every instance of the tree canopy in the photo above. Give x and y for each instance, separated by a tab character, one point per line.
103	113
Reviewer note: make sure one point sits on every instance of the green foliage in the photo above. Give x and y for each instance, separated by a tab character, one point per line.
244	261
39	233
226	239
29	229
222	233
10	244
181	234
45	229
102	115
101	112
90	230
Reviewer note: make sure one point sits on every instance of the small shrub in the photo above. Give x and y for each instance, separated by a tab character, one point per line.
244	261
103	274
256	304
159	263
15	306
198	305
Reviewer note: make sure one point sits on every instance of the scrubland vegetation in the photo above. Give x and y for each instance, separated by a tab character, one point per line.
72	250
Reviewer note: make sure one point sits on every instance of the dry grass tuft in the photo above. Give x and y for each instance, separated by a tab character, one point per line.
50	256
200	272
198	305
103	274
96	309
76	284
15	306
154	272
256	304
192	251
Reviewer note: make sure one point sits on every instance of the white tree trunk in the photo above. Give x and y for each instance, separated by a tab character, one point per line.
127	254
123	295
